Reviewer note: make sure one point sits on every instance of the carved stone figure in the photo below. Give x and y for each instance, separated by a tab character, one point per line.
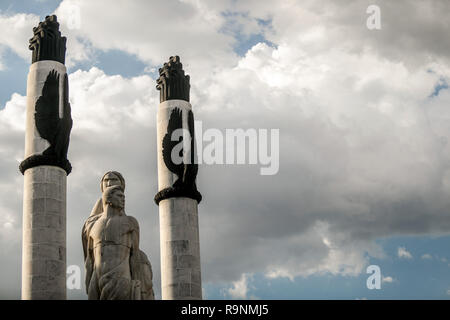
116	269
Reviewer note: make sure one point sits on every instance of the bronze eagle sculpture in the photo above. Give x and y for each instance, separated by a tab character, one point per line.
50	126
184	185
186	172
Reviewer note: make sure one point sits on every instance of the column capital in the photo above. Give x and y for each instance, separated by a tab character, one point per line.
172	82
47	42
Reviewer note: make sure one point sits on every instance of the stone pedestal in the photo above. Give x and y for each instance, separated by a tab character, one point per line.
44	234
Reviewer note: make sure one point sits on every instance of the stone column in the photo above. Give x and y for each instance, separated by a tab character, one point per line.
178	196
45	168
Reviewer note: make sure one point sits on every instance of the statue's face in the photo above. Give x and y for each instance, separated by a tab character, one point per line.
117	199
111	180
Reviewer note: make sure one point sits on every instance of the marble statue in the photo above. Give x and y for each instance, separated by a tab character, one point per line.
116	269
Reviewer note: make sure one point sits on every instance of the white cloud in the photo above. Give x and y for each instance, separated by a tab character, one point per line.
17	30
321	25
152	31
387	279
426	256
21	26
240	288
403	253
323	252
360	165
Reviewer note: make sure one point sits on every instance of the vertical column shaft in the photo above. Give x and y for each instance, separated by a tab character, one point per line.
180	249
44	234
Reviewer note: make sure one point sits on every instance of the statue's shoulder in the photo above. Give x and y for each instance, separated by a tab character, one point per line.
133	222
89	226
98	208
91	220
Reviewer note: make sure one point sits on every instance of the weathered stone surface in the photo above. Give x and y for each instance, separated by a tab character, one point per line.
48	252
44	234
196	290
180	249
196	277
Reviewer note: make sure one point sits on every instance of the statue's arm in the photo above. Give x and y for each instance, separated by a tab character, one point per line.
135	252
87	242
140	265
88	254
89	265
84	241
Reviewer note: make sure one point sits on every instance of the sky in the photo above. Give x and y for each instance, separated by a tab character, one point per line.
364	127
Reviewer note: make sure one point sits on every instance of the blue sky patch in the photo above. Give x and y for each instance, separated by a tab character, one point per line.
38	7
418	277
14	76
245	42
441	85
114	62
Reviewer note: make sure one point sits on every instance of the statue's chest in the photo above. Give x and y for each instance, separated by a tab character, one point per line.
113	230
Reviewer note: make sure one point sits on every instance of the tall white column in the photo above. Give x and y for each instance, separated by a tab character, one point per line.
178	214
44	199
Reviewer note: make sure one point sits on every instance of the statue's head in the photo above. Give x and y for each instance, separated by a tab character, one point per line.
114	196
112	178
